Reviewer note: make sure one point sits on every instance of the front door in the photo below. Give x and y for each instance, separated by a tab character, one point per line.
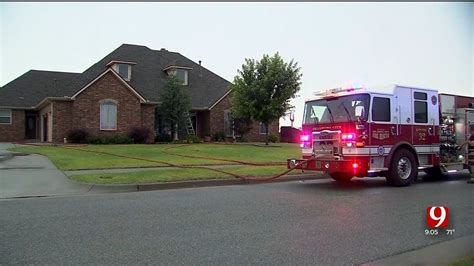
30	126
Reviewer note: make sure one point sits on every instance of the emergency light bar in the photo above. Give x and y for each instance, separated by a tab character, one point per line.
336	91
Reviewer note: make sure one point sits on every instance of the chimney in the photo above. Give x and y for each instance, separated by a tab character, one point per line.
163	49
200	68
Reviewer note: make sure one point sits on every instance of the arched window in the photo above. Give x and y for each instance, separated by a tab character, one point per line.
108	115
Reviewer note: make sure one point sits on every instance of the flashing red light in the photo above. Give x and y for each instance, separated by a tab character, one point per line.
355	166
348	136
304	137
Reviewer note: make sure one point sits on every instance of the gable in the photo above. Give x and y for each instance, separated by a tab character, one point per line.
108	74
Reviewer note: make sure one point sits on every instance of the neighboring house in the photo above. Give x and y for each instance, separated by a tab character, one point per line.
114	95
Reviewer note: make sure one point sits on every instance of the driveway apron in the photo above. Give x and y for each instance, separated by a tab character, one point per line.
33	175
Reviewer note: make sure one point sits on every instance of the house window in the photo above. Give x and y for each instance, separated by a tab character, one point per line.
263	128
125	71
108	115
228	124
182	75
381	109
5	116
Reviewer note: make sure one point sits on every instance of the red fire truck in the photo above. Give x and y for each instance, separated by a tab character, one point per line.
356	132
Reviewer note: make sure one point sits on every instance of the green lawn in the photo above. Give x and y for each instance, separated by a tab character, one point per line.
463	262
243	152
68	159
172	175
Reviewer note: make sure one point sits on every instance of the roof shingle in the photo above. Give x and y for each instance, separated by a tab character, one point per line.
205	87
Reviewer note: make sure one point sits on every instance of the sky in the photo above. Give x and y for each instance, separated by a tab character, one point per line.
428	45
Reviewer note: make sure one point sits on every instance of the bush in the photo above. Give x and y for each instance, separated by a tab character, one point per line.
140	134
163	138
193	139
77	136
218	136
272	138
115	139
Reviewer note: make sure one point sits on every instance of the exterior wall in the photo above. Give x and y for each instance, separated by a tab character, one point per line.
254	133
203	124
47	112
217	114
217	122
148	119
62	120
16	130
84	111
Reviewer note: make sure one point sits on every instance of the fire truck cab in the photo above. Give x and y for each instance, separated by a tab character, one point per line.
359	132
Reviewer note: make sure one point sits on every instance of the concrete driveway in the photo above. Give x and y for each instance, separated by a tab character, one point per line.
33	175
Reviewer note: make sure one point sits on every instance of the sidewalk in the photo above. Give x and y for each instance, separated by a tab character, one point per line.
442	253
36	176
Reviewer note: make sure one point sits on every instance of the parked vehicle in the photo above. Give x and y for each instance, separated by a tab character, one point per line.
360	132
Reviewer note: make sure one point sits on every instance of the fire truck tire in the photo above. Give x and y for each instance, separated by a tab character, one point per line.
341	176
403	169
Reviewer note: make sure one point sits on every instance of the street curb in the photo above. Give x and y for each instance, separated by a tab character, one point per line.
202	183
442	253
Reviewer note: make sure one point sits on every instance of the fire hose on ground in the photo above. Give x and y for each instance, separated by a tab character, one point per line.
263	179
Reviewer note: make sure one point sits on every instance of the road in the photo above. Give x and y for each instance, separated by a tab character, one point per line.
311	222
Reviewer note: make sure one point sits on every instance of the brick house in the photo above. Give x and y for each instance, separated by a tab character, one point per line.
116	94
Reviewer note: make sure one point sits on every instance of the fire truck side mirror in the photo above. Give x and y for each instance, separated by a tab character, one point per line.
359	113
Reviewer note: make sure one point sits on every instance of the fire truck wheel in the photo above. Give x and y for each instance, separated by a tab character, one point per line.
341	176
403	169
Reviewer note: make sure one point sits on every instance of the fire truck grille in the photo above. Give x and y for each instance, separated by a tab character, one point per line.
326	143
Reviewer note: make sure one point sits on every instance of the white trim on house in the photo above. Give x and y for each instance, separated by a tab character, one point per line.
173	66
218	101
11	116
120	62
119	77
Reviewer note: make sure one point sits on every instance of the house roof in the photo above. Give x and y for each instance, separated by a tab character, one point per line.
31	88
205	87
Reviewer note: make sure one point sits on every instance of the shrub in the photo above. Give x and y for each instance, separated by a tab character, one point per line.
77	136
163	138
272	138
193	139
115	139
140	134
218	136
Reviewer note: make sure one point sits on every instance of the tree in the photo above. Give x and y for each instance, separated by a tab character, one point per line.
262	89
241	126
175	104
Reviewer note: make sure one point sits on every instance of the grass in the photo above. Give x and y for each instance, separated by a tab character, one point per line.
463	262
70	159
243	152
172	175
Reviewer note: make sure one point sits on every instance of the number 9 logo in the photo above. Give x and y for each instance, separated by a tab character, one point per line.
437	216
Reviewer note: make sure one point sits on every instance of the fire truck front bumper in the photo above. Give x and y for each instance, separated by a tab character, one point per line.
356	166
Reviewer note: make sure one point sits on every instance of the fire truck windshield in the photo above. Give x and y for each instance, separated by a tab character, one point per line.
338	109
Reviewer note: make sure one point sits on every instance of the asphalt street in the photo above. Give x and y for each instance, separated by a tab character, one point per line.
311	222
